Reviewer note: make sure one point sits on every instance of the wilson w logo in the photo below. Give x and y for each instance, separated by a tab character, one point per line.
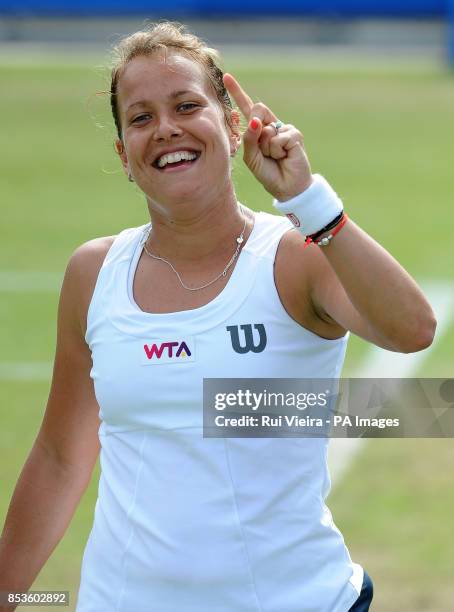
248	338
166	349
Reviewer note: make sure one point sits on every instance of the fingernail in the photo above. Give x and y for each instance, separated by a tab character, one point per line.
254	123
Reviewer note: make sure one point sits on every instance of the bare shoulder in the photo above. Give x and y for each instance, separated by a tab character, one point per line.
304	260
86	261
89	256
297	269
291	274
82	272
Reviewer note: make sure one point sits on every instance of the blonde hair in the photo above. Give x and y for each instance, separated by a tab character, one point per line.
165	36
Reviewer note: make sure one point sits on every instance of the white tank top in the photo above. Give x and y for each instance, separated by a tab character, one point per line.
191	524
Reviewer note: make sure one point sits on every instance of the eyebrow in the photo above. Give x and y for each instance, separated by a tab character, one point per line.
172	96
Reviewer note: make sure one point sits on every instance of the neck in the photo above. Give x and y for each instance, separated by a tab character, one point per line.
193	231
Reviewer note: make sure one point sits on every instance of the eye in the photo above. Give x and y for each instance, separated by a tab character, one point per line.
141	118
187	106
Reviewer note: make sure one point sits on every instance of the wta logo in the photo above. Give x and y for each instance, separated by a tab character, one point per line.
173	351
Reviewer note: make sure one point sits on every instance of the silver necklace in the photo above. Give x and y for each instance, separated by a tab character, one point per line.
239	241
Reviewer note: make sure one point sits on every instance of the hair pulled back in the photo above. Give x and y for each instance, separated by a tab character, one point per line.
165	36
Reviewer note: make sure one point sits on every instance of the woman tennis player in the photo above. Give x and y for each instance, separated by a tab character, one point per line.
208	289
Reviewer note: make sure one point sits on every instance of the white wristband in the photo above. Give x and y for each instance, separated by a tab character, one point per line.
313	209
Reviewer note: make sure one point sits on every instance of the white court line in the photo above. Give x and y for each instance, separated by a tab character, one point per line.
33	371
387	364
30	282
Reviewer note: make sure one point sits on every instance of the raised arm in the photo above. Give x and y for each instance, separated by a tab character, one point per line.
61	461
351	284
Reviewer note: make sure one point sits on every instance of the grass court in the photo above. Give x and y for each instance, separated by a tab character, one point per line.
383	136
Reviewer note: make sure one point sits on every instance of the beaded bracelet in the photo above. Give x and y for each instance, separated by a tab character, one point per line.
330	226
327	239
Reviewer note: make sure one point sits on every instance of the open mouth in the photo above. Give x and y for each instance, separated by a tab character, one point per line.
176	159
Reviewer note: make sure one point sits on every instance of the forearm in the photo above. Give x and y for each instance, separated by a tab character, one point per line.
41	508
382	292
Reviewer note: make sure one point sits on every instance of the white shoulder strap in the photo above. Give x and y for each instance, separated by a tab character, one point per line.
124	244
267	234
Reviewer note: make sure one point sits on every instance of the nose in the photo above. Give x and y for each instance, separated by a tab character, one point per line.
166	128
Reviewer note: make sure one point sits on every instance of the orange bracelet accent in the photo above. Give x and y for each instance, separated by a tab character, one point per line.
327	239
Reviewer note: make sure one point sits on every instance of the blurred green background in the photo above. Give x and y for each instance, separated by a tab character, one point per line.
382	133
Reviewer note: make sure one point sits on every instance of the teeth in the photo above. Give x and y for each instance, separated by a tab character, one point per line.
172	158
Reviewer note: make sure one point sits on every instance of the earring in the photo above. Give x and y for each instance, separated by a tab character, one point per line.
130	179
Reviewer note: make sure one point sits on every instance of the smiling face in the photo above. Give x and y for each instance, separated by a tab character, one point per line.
176	143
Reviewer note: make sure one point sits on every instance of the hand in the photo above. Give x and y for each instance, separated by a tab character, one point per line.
277	159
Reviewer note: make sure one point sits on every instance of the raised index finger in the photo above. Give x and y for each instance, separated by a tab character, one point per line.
241	98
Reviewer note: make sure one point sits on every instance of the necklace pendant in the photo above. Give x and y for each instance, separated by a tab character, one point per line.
239	241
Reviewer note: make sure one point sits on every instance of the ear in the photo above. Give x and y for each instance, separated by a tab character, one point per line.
235	132
120	149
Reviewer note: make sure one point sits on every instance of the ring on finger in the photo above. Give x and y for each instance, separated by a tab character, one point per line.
277	125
